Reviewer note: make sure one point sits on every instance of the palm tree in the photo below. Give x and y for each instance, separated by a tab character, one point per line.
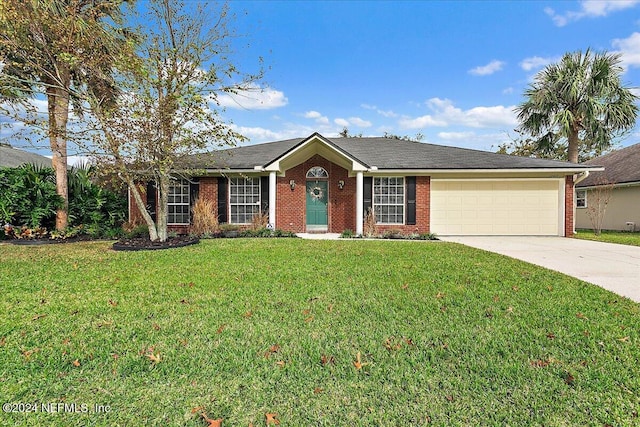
56	48
579	102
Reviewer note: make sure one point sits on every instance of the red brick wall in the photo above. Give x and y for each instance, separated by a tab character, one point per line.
291	204
423	206
568	206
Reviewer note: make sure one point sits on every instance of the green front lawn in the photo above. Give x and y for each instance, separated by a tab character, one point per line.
333	333
620	237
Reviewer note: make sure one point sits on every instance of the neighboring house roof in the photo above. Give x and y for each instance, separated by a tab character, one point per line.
620	167
13	157
377	153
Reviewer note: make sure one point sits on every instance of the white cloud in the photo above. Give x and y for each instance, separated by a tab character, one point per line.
507	91
319	118
454	136
590	9
352	121
535	62
254	98
257	133
387	113
341	122
446	114
630	49
357	121
485	70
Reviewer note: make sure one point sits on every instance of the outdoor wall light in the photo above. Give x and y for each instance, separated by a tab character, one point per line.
341	184
292	184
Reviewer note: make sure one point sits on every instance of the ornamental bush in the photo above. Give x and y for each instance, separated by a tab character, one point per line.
28	198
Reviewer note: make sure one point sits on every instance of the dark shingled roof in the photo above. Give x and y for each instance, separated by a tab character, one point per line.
12	157
384	153
620	166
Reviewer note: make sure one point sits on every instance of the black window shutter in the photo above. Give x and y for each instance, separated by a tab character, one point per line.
222	200
411	200
264	194
194	192
151	199
367	196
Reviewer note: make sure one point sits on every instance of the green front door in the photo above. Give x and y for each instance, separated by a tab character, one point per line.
317	202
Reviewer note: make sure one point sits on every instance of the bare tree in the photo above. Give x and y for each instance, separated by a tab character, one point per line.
167	106
598	198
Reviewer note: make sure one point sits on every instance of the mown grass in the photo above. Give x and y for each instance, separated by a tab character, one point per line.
447	335
620	237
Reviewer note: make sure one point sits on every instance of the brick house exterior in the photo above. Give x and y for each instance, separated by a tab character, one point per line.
393	179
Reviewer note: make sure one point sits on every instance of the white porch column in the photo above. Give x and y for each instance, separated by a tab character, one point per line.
359	201
272	199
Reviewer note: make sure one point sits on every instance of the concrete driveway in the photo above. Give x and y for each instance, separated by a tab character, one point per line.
610	266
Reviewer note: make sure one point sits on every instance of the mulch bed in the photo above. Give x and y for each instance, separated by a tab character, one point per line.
144	244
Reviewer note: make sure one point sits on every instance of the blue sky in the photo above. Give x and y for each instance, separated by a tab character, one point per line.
451	70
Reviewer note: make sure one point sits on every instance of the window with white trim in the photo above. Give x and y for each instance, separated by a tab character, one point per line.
244	199
179	205
317	172
581	198
388	200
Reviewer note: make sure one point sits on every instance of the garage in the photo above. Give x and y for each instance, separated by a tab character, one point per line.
528	207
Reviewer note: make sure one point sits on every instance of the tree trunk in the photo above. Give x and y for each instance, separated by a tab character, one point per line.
58	108
163	202
573	148
135	191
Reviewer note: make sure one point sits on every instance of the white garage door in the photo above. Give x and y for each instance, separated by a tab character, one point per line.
506	207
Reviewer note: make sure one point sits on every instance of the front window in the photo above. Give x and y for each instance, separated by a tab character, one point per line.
178	207
581	198
244	199
388	200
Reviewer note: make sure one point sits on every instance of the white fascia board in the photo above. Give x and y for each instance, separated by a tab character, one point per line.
231	171
487	171
615	185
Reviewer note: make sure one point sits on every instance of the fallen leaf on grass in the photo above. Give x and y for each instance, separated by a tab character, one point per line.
211	423
3	341
308	319
28	353
76	363
38	316
153	357
306	312
405	287
156	326
273	349
551	335
248	314
221	328
330	308
112	303
324	360
569	379
317	390
515	288
272	419
581	316
624	339
392	344
358	362
440	295
539	363
198	409
281	363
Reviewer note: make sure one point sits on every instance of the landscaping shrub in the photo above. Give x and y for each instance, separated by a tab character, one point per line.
28	198
205	218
